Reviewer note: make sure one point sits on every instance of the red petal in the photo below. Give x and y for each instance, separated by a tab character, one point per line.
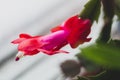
52	52
45	51
79	33
66	25
57	28
69	23
77	43
17	41
24	35
32	52
27	36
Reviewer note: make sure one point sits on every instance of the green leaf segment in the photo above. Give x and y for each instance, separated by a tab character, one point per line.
91	10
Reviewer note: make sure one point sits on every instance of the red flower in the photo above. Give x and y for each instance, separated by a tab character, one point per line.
74	31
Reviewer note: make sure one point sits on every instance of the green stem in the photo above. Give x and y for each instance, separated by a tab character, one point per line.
91	10
108	7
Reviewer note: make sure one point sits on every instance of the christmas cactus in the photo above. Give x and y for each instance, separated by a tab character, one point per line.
100	60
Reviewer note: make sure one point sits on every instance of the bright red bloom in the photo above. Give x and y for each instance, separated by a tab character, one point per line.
74	31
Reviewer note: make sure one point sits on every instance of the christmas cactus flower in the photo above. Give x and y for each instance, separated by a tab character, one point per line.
73	31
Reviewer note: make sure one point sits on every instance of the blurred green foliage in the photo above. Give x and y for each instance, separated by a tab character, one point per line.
117	8
91	10
102	57
105	55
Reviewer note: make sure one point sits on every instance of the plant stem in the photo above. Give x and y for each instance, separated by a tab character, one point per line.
108	7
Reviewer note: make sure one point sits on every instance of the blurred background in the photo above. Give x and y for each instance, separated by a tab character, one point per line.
35	17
